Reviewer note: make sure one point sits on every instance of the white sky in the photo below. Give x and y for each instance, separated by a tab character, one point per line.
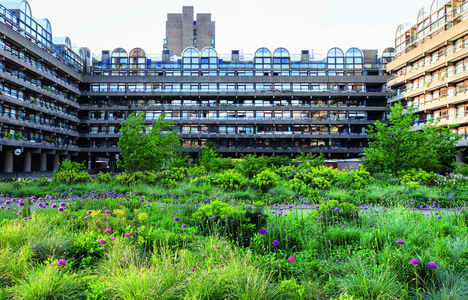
242	24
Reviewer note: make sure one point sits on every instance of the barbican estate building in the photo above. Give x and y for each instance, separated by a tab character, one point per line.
60	101
430	69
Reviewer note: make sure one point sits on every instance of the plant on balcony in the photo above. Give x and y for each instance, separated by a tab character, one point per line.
19	136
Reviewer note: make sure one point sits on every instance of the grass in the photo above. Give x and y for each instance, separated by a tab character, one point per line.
342	252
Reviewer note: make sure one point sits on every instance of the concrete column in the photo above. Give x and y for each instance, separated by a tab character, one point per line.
461	157
43	164
27	162
112	164
56	161
8	162
93	162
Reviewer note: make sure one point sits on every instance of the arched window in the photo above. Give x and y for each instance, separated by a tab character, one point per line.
81	54
281	59
437	14
423	22
191	59
353	59
400	38
68	42
26	16
262	59
335	59
137	58
209	59
388	55
119	58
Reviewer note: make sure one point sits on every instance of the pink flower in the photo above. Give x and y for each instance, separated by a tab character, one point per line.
291	259
102	241
127	235
61	262
107	211
113	238
108	230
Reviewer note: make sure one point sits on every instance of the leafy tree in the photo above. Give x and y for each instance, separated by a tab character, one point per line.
144	149
396	146
211	160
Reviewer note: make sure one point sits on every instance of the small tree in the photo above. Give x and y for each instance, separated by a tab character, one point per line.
144	149
395	146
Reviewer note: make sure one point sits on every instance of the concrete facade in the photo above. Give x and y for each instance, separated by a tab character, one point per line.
430	69
183	31
57	104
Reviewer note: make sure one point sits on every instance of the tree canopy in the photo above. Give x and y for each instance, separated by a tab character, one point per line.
145	148
396	146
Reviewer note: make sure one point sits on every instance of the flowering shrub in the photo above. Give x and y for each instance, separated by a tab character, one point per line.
202	180
266	180
220	210
229	180
127	178
284	171
355	179
104	177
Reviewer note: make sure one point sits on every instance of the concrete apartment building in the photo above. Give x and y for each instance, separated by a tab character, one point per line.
59	101
430	69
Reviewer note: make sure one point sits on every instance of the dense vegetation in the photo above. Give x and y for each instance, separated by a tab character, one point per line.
255	228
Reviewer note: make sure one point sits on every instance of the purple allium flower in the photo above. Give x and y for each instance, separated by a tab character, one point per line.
401	242
337	209
275	243
193	270
61	262
135	233
60	209
127	235
7	202
432	265
107	211
414	262
108	230
113	238
62	204
102	241
291	259
217	247
21	204
176	219
54	206
183	226
262	231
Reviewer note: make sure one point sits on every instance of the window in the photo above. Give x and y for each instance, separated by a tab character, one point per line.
262	59
353	59
190	59
209	59
194	41
281	59
212	41
335	59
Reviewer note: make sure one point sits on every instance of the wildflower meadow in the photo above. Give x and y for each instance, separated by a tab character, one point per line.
282	231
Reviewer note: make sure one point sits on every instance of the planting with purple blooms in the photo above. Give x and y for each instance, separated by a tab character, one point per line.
297	231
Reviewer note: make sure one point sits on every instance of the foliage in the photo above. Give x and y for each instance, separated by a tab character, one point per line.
250	165
229	180
212	161
69	172
312	159
335	210
104	177
354	179
174	176
145	149
70	176
220	210
396	146
415	177
266	180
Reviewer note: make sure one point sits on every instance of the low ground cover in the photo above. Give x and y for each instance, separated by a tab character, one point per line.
284	231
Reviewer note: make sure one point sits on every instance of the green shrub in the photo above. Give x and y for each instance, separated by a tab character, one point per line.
219	210
251	165
335	210
416	177
70	176
320	177
229	180
354	179
174	176
266	180
278	161
104	177
127	179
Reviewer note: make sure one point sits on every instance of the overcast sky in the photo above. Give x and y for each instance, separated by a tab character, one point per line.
240	25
